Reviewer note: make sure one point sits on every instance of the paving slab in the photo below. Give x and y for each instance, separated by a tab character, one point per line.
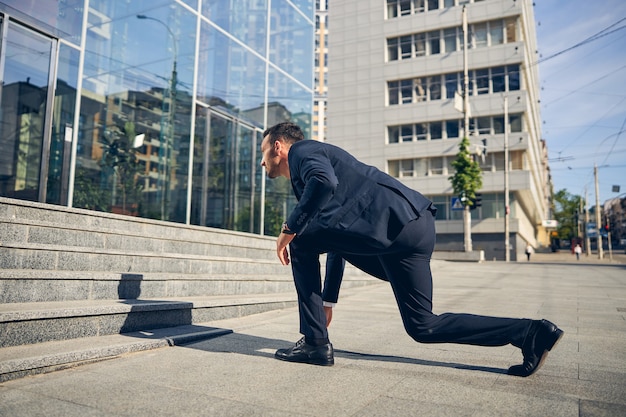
379	370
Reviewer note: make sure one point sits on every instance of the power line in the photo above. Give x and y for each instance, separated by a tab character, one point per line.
591	38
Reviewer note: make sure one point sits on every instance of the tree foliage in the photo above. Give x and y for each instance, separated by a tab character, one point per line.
566	213
467	179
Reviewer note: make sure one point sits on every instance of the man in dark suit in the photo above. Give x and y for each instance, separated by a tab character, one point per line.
376	223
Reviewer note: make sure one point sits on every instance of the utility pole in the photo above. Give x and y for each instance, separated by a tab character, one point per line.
467	216
587	238
507	250
598	214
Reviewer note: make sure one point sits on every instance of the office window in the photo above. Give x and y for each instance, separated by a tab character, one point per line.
420	89
406	168
394	92
480	35
452	129
484	125
392	49
450	36
421	131
393	133
436	131
498	125
481	81
511	32
497	79
436	166
421	167
434	87
405	7
406	133
452	84
405	47
420	44
406	91
496	32
393	168
514	81
433	4
434	42
515	121
419	6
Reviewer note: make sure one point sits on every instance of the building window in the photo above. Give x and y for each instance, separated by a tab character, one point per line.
479	35
434	42
421	131
450	37
406	168
452	129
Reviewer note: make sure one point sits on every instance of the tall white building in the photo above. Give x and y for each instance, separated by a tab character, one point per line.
394	69
318	131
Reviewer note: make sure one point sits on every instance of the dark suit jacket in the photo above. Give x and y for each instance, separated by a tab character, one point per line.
344	205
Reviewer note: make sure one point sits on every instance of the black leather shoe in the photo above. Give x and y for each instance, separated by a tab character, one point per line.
303	353
542	337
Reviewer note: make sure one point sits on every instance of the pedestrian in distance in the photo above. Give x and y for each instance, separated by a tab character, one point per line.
384	228
528	252
578	250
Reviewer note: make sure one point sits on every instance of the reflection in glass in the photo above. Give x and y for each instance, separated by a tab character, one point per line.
23	110
133	149
289	101
291	41
246	21
63	18
62	126
230	76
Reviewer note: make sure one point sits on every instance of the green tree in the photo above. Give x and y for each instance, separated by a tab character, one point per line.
566	213
466	181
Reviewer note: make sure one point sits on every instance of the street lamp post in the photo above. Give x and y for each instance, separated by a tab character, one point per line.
165	149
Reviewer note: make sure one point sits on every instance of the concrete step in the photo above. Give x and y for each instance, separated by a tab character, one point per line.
20	361
23	223
30	323
31	285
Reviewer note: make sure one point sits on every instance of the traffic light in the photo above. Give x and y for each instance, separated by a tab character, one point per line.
477	201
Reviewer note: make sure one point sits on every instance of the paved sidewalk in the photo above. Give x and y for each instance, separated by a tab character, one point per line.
379	370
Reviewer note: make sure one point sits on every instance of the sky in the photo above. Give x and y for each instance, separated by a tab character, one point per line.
583	93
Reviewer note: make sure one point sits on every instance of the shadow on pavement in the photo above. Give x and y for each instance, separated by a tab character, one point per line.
264	347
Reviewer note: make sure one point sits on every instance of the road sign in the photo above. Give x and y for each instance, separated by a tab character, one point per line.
456	204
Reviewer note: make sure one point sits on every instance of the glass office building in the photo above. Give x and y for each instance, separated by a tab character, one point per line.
152	108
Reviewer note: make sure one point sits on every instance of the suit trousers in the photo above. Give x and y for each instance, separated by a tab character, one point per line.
406	265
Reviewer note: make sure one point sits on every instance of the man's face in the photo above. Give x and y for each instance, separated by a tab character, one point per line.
270	160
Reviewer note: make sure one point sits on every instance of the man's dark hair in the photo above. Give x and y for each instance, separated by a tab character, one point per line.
287	131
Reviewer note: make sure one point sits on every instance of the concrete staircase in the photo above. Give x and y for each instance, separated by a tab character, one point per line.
78	285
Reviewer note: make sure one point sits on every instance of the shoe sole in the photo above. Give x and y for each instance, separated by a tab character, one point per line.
310	362
558	335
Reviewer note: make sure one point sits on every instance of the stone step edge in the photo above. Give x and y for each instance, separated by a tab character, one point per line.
27	221
50	356
54	274
18	312
117	252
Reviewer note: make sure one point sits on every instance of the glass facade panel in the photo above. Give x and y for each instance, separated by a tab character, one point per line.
135	110
133	139
230	77
61	18
62	126
291	41
22	111
246	21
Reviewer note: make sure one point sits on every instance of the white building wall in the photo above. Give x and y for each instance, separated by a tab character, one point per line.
358	113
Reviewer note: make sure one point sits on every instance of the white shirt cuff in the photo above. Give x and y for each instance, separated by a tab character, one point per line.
329	304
